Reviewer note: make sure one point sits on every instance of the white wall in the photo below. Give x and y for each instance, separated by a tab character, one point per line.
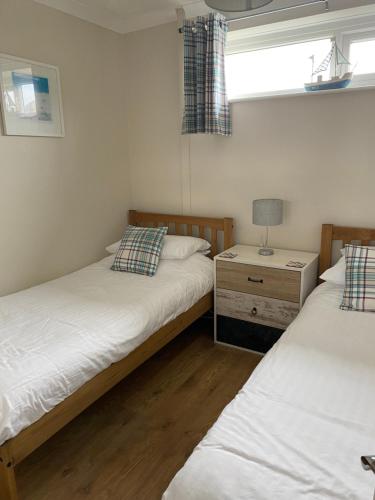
153	134
316	152
63	200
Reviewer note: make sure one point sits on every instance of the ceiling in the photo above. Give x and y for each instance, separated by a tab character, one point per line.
124	16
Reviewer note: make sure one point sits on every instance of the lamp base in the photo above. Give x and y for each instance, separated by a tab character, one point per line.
265	251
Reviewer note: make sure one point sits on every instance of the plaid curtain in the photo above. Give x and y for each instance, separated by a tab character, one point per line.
206	103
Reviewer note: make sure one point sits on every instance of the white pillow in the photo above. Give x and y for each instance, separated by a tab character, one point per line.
182	247
175	247
114	247
335	274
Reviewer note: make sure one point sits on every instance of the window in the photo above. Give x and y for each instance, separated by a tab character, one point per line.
362	56
276	69
277	59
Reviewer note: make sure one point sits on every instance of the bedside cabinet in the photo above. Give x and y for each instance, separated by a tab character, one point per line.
257	297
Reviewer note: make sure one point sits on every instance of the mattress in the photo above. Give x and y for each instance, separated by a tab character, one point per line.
299	426
57	336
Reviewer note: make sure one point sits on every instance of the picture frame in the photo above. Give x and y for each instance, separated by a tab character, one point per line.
31	102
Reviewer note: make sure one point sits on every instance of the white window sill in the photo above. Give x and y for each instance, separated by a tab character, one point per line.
297	92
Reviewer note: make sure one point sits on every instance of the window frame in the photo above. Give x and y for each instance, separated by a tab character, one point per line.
367	79
345	26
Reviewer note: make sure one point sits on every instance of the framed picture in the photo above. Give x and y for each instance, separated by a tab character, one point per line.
30	102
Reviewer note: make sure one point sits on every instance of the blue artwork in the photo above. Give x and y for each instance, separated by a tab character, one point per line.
30	98
40	83
33	96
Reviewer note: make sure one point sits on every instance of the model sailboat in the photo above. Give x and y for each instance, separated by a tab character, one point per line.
338	81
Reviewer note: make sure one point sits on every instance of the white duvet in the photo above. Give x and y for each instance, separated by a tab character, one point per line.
298	427
57	336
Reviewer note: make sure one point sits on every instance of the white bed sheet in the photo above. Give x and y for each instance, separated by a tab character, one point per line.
57	336
298	427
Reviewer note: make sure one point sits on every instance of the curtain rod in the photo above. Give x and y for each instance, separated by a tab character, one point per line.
281	9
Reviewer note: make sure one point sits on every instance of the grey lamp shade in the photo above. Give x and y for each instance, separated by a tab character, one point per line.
268	212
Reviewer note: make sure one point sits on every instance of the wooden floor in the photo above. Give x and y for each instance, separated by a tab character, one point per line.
131	442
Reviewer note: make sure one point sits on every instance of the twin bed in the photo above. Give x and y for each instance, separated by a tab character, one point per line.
300	424
65	343
296	430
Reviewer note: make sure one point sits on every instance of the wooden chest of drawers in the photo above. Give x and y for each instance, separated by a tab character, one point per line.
257	297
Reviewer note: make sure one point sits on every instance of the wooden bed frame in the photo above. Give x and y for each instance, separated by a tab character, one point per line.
13	451
331	233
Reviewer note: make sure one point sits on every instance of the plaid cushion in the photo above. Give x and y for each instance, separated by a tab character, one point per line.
139	250
359	293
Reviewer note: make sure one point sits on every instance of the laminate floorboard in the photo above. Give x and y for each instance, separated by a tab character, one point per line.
132	441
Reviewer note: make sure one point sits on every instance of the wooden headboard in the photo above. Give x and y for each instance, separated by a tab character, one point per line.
206	227
331	233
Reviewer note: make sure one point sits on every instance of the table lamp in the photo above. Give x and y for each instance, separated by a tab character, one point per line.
267	212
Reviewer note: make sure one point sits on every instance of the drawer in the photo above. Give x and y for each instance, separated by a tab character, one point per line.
262	310
259	280
258	338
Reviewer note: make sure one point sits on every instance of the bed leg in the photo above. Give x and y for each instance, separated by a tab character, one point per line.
8	487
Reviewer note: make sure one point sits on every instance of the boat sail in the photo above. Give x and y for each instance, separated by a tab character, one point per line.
337	81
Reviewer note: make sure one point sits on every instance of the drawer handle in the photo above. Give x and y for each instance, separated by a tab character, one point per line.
254	311
255	280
